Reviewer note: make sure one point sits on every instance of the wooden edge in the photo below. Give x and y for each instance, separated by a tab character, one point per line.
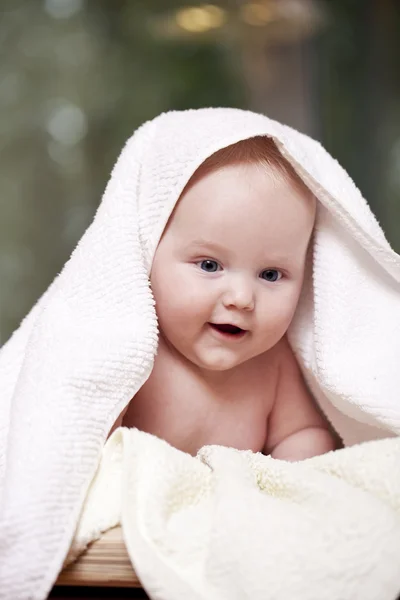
105	563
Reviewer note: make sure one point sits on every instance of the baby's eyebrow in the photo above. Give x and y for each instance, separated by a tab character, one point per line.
203	243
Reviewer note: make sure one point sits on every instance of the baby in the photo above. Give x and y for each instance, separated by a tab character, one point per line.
226	277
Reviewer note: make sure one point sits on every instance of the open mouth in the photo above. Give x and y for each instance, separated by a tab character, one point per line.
228	329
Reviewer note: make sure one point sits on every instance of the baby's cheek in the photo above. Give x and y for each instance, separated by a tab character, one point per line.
175	312
182	301
286	318
192	296
279	312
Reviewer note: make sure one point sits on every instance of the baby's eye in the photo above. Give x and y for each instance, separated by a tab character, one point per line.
271	275
211	266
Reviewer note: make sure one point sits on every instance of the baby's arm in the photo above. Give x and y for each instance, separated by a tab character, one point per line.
296	429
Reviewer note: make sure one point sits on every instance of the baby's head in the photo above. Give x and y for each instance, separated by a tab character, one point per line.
228	271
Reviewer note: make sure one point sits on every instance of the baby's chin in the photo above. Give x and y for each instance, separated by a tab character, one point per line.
218	362
214	360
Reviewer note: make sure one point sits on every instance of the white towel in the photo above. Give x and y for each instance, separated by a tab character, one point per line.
89	344
231	525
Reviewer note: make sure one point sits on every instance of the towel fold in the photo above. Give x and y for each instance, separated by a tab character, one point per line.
230	525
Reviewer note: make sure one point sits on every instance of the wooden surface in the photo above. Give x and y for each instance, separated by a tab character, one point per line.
105	563
97	593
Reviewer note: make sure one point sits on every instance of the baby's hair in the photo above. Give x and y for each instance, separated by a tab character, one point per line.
260	150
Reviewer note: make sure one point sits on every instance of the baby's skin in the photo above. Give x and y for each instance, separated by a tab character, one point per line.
226	277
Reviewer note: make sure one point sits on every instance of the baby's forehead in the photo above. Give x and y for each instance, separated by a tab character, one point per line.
234	197
234	184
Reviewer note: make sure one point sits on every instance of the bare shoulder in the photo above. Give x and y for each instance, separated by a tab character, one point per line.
294	407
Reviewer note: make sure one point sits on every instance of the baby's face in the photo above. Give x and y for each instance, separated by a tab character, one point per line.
232	256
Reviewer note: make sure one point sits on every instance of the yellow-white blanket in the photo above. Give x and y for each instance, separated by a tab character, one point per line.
230	525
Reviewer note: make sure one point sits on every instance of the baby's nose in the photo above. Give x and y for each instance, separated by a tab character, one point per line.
240	295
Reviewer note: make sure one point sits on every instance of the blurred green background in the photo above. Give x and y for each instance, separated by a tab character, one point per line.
77	77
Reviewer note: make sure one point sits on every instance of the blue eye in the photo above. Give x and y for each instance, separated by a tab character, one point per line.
271	275
211	266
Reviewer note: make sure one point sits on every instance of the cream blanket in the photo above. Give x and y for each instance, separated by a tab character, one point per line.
233	525
89	343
